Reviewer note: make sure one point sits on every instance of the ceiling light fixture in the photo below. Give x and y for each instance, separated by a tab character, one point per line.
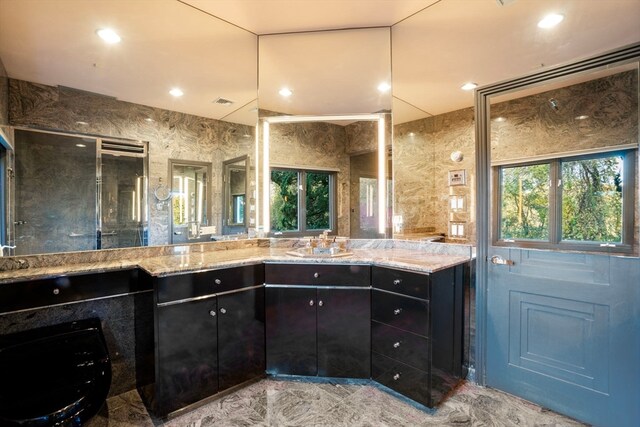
81	123
582	117
500	119
149	119
550	20
177	92
81	145
108	35
384	87
285	91
469	86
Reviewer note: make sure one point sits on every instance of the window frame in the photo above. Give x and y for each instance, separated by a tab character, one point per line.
302	209
555	205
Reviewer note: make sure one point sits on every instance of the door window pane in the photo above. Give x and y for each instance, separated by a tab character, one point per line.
284	200
317	200
524	203
592	199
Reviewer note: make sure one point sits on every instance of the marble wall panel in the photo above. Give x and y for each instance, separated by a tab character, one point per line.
4	95
318	145
362	137
171	135
598	113
421	164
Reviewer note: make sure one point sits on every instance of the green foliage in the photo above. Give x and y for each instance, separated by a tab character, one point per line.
317	201
592	200
525	202
284	200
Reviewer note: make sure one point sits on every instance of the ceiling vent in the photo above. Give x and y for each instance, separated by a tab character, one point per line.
223	101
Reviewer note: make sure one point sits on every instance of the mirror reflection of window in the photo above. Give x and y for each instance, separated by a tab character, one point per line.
190	209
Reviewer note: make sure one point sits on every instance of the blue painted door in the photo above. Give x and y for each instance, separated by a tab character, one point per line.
563	331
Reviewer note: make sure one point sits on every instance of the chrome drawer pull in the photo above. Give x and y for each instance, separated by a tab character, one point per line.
397	282
56	291
396	344
397	311
396	377
311	302
212	313
223	311
217	281
316	275
320	303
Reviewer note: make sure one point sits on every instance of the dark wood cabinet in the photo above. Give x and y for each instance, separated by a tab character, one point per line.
205	341
318	330
418	331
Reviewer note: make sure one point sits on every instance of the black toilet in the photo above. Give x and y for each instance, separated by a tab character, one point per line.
54	376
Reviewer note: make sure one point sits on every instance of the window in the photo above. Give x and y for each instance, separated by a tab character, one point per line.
238	209
302	200
572	203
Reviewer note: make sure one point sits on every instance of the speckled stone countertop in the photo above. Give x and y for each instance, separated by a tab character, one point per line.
418	258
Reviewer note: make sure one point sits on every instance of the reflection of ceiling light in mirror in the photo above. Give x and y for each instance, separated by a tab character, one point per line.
80	122
550	20
582	117
149	119
469	86
411	134
80	145
108	35
176	92
500	119
384	87
285	91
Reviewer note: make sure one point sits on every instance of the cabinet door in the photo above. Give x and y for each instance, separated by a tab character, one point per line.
344	333
187	368
291	331
240	337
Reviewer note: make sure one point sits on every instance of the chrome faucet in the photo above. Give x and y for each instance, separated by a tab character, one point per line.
3	247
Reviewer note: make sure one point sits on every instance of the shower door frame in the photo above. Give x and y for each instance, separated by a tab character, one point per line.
9	202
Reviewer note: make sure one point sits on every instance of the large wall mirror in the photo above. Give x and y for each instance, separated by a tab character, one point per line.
324	100
89	88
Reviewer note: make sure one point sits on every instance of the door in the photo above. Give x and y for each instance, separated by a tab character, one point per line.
240	337
291	331
562	297
344	333
187	348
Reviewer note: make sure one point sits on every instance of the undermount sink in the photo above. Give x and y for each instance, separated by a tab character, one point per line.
319	252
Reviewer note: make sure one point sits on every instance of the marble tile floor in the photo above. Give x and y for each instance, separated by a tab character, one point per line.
272	402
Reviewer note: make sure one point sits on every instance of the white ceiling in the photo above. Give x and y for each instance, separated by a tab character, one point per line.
168	43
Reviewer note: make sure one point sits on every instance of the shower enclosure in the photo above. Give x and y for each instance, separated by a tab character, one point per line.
75	193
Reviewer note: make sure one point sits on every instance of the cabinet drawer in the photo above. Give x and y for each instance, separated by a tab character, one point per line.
409	314
408	381
400	345
182	286
316	274
63	289
402	282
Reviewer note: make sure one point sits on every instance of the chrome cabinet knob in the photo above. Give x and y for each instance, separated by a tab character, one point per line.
56	291
320	303
396	344
397	311
396	377
212	313
217	281
316	275
397	281
311	302
223	311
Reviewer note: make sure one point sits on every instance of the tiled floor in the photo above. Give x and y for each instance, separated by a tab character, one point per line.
296	403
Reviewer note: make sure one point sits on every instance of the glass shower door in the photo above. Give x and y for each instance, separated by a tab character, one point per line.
55	193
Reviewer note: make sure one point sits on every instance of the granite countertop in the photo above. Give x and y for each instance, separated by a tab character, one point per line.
406	259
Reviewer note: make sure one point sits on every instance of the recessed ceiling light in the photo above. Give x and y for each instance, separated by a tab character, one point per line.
80	122
550	20
176	92
500	119
285	91
582	117
469	86
108	35
80	145
149	119
384	87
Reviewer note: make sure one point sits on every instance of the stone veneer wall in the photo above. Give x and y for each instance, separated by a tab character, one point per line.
4	95
171	135
318	145
421	162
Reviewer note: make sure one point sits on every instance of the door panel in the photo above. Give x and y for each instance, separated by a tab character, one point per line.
563	332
